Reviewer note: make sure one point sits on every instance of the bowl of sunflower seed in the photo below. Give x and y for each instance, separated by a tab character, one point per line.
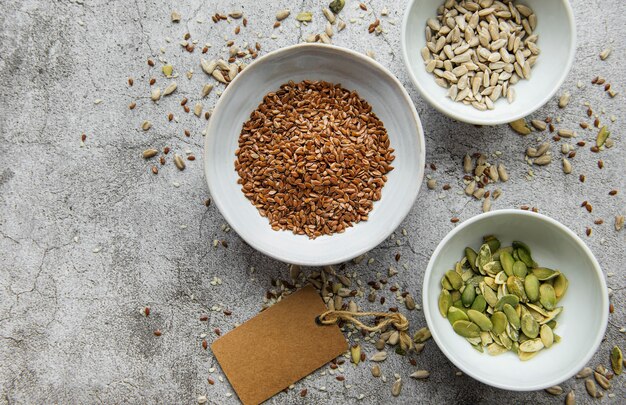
488	62
516	300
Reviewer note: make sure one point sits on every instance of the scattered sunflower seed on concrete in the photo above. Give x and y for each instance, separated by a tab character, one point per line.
570	398
584	373
282	14
149	153
539	125
605	53
431	184
379	356
567	166
396	387
556	390
564	99
420	374
179	162
590	386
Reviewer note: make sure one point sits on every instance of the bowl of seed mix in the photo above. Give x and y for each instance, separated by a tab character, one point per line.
488	62
314	154
515	300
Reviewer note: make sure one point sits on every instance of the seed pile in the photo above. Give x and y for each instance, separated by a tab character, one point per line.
500	298
313	158
480	49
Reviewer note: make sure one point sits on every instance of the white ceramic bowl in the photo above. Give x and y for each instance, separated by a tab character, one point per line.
557	41
354	71
585	305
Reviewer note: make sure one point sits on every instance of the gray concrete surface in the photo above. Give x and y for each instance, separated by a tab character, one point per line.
89	236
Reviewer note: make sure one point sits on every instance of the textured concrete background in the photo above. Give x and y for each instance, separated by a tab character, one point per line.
89	236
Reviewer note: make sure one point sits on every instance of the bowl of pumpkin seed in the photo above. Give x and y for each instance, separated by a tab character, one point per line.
516	300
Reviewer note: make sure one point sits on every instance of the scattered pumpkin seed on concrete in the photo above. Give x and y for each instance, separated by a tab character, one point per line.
500	298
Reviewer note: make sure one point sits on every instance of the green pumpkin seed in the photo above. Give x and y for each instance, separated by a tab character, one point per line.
495	349
560	286
493	267
538	310
515	285
492	241
455	295
484	257
547	296
531	286
471	255
512	332
515	348
479	348
551	315
498	320
455	314
454	279
544	273
506	341
531	346
497	253
466	329
474	341
520	269
617	360
445	301
475	281
546	335
490	295
446	284
501	278
552	324
480	319
557	338
491	283
523	252
468	295
510	299
479	304
459	304
524	356
485	338
602	136
507	262
530	327
511	315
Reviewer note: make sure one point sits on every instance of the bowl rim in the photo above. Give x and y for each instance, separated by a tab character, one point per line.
434	101
593	348
399	216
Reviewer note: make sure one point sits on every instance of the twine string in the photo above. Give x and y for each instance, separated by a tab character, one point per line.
396	319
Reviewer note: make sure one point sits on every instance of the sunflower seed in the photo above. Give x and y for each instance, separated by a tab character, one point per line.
208	66
542	160
567	166
396	387
169	89
605	53
379	356
584	373
146	125
206	89
520	126
602	380
619	222
179	162
420	374
564	99
155	94
282	14
566	133
591	387
556	390
376	371
149	153
570	398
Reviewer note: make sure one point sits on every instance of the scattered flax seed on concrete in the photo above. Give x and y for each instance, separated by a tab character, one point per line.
313	158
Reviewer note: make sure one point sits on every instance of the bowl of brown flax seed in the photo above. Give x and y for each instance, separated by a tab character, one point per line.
314	154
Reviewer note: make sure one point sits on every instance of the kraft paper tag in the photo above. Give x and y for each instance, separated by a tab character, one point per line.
278	347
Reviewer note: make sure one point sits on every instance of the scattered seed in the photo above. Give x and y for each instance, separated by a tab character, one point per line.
539	125
556	390
431	184
179	162
584	373
570	398
619	222
375	371
564	99
567	166
149	153
282	14
605	54
396	387
454	220
157	332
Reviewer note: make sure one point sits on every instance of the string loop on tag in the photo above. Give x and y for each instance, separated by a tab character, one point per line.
396	319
